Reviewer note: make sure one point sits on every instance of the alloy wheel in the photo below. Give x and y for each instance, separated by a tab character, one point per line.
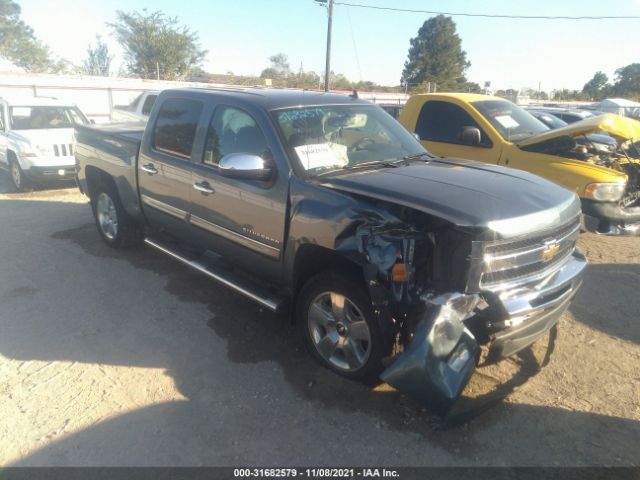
107	216
339	331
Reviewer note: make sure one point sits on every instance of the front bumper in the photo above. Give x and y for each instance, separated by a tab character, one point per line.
531	311
520	316
609	218
60	173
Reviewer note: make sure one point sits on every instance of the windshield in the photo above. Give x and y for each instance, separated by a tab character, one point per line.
512	122
339	137
550	120
38	117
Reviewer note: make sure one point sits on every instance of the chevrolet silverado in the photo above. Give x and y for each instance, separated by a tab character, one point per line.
394	264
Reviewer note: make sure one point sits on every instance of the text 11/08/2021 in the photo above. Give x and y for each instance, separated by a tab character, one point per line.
315	473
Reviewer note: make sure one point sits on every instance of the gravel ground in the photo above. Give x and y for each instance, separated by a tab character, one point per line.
128	358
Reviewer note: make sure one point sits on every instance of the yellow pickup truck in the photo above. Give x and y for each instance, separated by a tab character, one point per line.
493	130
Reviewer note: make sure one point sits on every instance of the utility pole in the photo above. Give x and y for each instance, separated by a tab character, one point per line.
327	68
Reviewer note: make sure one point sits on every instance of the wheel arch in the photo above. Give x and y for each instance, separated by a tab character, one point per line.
95	177
312	259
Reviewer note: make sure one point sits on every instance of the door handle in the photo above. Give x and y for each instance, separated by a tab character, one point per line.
149	168
204	188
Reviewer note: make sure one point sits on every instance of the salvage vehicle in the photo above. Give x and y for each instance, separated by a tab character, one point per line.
36	139
494	130
136	111
393	263
600	142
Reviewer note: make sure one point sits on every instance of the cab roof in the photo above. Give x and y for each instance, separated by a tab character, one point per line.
465	97
272	98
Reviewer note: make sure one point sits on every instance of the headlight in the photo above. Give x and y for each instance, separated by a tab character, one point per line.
605	192
36	151
44	150
448	325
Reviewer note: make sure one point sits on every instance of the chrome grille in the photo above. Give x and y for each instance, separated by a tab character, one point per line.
520	261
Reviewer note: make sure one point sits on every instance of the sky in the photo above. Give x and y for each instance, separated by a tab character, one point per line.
241	35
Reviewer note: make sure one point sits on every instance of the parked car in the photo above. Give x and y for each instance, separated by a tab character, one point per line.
600	141
496	131
36	139
392	262
392	109
138	110
570	115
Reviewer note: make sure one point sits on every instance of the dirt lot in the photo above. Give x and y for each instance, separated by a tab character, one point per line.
128	358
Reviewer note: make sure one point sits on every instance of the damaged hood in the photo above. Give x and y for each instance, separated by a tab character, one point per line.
466	193
620	128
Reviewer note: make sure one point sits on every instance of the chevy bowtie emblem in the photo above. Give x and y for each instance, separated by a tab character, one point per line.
550	251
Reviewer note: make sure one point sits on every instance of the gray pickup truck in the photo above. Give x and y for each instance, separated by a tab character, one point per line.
393	264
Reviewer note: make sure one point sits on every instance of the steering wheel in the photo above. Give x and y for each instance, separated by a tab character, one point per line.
361	143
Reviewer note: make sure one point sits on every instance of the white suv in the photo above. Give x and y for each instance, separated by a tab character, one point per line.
36	139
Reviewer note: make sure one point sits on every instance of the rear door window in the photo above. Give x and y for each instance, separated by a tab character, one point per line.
443	122
176	126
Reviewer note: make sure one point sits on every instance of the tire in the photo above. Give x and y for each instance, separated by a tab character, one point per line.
115	226
18	178
348	340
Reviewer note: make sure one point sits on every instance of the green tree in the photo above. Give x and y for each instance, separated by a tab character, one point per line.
279	67
156	45
597	87
18	43
627	81
566	94
436	56
473	87
98	61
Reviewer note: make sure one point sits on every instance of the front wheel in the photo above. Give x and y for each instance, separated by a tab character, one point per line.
17	175
339	327
116	228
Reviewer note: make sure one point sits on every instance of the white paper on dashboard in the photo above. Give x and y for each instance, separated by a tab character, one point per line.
319	155
507	121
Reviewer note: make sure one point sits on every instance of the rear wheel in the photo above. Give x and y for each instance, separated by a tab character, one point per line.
115	226
339	327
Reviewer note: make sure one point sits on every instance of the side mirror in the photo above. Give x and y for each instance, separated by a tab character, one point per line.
470	136
245	166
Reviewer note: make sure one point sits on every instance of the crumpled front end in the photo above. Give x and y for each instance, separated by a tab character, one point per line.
440	359
517	290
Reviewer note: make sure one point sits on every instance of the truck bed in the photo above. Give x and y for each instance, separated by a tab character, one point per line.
112	148
130	131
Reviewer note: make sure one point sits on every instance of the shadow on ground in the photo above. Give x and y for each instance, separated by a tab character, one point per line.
6	186
253	336
596	300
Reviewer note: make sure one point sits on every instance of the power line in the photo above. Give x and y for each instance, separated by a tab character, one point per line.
355	48
486	15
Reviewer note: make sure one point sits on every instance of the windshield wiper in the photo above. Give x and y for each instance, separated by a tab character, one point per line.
393	163
417	156
374	163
